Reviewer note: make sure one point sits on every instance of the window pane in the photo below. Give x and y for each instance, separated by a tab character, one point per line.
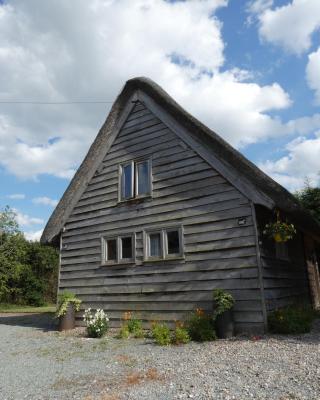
126	245
111	250
143	177
126	184
155	245
173	242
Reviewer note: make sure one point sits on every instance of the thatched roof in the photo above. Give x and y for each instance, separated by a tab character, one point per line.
279	197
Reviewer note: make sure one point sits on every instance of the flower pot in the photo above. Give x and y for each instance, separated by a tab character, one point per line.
67	321
225	325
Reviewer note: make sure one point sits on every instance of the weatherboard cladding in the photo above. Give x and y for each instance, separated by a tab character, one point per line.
187	191
260	188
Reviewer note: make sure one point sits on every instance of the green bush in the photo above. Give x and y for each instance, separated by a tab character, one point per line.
200	327
135	328
28	270
180	336
223	301
124	332
161	334
292	319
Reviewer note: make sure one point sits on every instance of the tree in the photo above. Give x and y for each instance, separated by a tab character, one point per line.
8	222
309	198
28	270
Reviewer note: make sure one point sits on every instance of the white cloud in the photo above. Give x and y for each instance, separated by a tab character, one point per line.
313	74
26	220
45	201
33	235
121	39
301	162
290	26
16	196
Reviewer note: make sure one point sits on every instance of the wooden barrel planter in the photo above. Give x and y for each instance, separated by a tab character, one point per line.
68	320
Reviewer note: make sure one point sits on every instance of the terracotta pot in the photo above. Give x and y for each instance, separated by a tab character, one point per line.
225	325
68	320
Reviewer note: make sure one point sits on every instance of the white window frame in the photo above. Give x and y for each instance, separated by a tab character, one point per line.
119	259
164	255
134	180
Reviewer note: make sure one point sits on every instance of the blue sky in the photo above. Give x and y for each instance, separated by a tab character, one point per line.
250	70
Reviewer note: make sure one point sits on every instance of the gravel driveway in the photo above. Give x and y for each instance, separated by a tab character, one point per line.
39	363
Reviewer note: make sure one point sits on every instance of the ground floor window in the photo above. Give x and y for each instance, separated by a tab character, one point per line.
118	249
164	243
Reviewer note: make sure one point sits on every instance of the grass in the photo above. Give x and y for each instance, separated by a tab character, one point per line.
14	308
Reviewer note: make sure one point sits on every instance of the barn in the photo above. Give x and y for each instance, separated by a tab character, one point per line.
162	211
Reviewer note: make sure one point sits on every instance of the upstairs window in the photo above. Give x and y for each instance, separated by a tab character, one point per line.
119	249
163	244
135	179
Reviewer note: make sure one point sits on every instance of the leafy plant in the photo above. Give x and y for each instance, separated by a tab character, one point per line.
280	231
200	326
124	332
64	300
161	334
291	319
309	198
97	324
223	301
135	327
180	335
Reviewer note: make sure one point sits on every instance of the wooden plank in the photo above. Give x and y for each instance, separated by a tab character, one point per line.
164	267
114	215
97	210
211	236
217	212
180	276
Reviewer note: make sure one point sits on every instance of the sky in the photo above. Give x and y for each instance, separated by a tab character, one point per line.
250	70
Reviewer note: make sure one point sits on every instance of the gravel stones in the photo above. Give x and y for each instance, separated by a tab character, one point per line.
41	364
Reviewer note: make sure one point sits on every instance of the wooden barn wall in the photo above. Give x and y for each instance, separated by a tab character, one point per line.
186	190
285	281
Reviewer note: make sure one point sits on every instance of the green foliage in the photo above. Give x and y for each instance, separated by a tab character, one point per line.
309	198
180	336
97	324
161	334
124	332
64	299
28	270
292	319
135	328
8	223
280	231
223	301
200	326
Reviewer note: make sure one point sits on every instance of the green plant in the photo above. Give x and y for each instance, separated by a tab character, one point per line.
280	231
97	324
291	319
135	327
223	301
124	332
161	334
64	299
200	326
180	336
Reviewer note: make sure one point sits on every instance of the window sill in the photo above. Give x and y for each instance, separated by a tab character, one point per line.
157	260
120	263
135	200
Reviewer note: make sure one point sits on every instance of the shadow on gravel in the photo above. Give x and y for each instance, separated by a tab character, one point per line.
43	321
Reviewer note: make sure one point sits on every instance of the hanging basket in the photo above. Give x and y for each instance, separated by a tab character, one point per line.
279	231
